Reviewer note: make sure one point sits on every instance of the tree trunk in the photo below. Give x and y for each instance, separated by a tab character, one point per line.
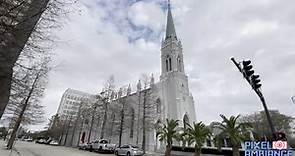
121	126
104	120
67	132
183	144
168	150
197	151
143	123
81	128
20	117
91	124
112	126
76	124
236	151
5	82
138	122
62	132
12	46
73	133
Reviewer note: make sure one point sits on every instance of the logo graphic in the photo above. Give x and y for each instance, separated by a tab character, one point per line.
264	148
279	145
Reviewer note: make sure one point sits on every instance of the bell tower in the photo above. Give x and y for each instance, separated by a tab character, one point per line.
177	99
172	56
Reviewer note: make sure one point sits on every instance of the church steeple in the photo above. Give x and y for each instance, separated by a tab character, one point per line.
171	50
170	29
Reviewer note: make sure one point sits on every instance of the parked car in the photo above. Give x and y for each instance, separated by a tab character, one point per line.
102	145
28	140
86	146
129	150
54	143
83	146
48	141
41	141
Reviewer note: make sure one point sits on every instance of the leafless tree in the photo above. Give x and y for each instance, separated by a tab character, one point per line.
55	127
95	113
148	108
76	120
125	115
83	117
107	97
31	86
23	25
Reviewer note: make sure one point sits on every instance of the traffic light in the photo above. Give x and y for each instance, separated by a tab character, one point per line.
247	68
255	81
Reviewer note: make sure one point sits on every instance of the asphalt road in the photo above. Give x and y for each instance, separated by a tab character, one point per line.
33	149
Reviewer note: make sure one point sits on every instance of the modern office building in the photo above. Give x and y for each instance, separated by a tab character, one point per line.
71	101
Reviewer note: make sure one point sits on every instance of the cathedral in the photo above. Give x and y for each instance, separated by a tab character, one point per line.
169	98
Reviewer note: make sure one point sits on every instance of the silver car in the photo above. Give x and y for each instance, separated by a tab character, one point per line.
129	150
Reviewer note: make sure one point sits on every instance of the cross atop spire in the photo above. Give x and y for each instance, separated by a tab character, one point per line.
170	29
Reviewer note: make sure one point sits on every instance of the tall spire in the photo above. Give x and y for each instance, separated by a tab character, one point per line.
170	29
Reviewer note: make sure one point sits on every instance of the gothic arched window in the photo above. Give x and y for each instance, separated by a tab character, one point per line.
185	121
158	103
132	122
179	63
167	69
170	65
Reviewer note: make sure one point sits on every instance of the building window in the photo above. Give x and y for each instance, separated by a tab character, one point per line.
179	63
185	121
158	104
167	69
132	123
170	65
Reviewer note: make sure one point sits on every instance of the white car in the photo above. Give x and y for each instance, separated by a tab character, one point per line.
54	143
129	150
102	145
29	140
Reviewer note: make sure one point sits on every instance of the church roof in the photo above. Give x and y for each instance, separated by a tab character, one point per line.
170	29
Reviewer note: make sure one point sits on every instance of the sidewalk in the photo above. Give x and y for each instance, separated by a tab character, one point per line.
6	152
149	153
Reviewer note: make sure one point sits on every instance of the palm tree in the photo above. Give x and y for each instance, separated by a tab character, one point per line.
167	132
197	134
183	137
232	129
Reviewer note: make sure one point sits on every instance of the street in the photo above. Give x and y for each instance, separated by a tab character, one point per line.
33	149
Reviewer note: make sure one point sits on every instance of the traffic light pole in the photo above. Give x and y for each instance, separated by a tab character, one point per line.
260	95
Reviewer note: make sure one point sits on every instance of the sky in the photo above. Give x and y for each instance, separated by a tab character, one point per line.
100	38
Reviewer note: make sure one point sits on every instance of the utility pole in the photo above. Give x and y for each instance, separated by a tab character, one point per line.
254	80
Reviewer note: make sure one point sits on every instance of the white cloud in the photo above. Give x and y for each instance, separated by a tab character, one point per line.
259	27
98	45
148	14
